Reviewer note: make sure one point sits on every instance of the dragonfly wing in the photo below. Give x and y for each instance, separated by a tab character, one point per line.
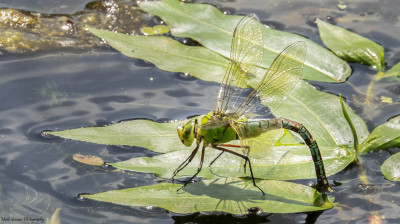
256	147
239	128
245	58
283	74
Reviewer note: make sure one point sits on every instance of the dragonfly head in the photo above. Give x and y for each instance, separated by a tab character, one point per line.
186	132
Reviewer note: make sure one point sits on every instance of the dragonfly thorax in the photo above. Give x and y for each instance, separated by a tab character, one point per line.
215	128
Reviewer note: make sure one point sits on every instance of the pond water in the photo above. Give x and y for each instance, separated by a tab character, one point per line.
58	89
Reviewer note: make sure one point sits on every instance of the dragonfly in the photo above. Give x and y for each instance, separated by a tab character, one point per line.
235	117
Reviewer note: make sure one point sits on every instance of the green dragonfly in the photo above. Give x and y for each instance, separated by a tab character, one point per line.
236	116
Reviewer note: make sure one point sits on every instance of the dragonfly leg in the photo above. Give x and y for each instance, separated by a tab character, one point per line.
247	160
212	162
187	161
198	169
226	145
322	185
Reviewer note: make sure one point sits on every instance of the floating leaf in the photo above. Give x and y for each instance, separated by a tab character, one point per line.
351	46
384	136
89	160
232	195
321	114
156	30
280	163
385	99
55	218
213	29
158	137
312	108
391	167
394	71
168	54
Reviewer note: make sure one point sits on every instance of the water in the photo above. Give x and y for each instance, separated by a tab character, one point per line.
62	89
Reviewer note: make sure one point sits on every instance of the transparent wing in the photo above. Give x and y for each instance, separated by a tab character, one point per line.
283	74
245	57
256	147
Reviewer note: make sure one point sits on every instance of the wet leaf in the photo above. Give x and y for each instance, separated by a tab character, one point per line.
168	54
394	71
391	167
89	160
350	46
321	114
384	136
230	195
213	29
158	137
350	122
285	162
387	100
55	218
156	30
312	108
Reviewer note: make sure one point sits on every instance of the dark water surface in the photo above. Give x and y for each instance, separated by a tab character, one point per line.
64	89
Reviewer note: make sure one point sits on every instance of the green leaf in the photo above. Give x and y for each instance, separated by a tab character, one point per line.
391	167
158	137
280	163
230	195
383	137
156	30
351	46
168	54
305	105
350	122
321	114
394	71
213	29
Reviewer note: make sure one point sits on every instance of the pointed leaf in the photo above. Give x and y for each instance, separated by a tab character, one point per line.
391	167
168	54
351	46
321	114
279	163
158	137
394	71
213	29
350	122
230	195
383	137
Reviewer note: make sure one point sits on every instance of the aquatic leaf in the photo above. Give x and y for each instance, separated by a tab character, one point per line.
156	30
387	100
55	218
351	46
168	54
321	114
391	167
158	137
312	108
350	122
286	162
232	195
384	136
213	29
394	71
89	160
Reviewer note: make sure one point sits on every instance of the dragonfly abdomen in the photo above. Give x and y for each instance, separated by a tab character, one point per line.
256	127
323	184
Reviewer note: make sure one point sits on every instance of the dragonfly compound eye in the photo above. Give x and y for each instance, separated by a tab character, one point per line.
186	133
